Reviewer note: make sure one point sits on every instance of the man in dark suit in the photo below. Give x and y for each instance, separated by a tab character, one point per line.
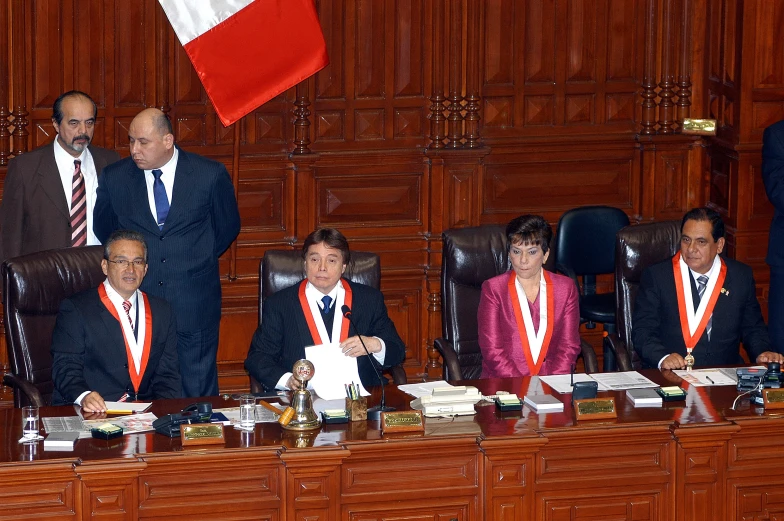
699	304
773	177
44	187
114	342
184	206
309	313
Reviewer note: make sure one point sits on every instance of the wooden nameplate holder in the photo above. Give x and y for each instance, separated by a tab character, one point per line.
595	409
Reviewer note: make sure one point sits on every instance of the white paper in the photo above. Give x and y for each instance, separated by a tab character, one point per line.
128	407
623	380
419	390
333	371
562	383
706	377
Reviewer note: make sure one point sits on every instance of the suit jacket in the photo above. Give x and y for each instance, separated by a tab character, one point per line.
88	351
203	221
283	333
656	325
773	177
499	338
34	214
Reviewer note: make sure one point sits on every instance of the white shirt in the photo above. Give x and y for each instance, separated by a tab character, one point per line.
135	342
65	166
314	295
167	177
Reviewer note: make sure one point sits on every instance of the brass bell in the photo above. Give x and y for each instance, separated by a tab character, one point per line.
304	417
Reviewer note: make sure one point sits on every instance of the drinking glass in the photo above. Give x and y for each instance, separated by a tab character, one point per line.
247	411
30	422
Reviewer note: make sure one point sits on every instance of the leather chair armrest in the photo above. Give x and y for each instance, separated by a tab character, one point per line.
618	346
398	374
451	366
569	272
589	357
25	387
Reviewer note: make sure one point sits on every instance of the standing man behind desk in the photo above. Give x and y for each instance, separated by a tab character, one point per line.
114	341
184	206
773	177
309	313
49	193
699	303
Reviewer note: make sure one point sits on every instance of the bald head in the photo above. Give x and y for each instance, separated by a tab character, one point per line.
151	140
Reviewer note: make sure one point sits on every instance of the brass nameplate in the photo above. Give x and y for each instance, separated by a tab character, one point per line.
595	408
773	398
699	127
404	421
201	434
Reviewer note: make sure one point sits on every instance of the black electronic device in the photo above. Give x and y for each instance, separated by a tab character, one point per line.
751	378
169	425
374	413
583	390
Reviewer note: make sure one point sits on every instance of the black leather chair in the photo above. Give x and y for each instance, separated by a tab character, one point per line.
585	247
33	287
470	257
280	269
637	247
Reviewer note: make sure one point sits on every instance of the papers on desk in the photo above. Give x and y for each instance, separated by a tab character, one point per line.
707	377
333	371
127	407
562	383
419	390
130	424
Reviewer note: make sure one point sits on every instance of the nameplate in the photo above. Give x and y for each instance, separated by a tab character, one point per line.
402	421
201	434
773	398
699	127
595	409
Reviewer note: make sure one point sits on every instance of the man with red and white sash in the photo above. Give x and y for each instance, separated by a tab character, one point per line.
309	313
699	304
115	342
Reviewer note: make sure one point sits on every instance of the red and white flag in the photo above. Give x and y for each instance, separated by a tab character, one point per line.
246	52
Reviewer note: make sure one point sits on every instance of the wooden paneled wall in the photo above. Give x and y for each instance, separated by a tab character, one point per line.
432	114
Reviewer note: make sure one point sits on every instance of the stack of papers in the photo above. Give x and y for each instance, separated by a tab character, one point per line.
61	440
607	381
644	397
708	377
544	403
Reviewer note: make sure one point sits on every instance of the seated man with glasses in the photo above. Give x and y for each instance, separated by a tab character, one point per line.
115	342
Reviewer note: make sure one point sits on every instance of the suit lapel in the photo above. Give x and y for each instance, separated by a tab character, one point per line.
51	183
182	190
115	342
137	191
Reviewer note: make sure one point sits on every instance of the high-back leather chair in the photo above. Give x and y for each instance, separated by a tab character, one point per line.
637	247
280	269
34	285
584	248
470	256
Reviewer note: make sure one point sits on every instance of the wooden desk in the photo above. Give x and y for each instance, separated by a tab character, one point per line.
696	460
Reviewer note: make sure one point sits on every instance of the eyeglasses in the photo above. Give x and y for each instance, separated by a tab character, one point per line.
138	263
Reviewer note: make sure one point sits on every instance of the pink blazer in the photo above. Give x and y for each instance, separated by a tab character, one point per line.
499	338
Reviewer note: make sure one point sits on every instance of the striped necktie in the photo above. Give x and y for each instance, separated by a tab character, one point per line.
702	283
127	307
78	207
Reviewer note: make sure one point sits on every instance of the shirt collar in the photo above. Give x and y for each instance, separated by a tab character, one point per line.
62	155
116	298
311	293
712	273
170	166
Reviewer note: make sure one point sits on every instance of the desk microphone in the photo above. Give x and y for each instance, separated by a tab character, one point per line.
373	413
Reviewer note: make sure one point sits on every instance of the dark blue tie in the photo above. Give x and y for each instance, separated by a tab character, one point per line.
327	301
161	201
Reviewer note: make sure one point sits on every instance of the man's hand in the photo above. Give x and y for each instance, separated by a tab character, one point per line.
93	402
353	347
672	362
770	356
292	383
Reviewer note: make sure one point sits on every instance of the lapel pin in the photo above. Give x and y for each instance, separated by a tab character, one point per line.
724	291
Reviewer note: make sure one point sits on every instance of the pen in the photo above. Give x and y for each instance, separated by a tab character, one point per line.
118	411
709	379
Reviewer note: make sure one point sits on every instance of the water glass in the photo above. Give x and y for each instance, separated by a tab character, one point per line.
30	422
247	411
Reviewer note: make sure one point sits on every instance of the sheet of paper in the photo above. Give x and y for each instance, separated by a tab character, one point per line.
261	413
128	407
320	405
333	371
623	380
562	383
706	377
65	424
419	390
130	424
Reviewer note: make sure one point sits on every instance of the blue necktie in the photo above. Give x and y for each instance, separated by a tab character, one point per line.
161	201
327	301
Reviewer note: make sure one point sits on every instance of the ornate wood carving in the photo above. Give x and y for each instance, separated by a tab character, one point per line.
5	135
648	121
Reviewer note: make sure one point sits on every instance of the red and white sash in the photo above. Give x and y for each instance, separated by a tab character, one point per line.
525	324
693	323
317	328
145	332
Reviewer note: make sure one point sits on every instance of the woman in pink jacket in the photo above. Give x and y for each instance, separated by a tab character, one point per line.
529	318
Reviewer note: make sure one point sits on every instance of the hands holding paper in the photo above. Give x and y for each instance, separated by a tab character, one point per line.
353	347
93	402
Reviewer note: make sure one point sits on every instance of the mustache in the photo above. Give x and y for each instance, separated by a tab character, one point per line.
83	136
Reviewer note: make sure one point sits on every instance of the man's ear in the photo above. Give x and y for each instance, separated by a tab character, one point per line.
720	244
105	266
343	270
168	140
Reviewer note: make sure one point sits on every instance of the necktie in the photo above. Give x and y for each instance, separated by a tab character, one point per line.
161	201
78	207
127	308
702	283
327	301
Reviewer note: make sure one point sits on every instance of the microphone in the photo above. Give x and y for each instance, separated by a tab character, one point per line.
373	413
